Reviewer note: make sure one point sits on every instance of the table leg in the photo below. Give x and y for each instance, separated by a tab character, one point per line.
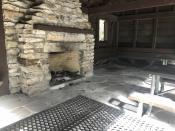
140	110
155	85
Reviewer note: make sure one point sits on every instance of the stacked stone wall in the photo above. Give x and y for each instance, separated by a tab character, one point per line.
28	48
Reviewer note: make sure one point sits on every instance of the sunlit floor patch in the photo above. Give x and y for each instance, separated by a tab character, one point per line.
130	122
7	117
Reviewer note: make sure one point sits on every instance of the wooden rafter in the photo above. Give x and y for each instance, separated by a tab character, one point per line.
147	16
146	53
107	17
132	5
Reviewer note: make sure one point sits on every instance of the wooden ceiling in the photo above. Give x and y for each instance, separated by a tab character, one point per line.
112	6
93	3
96	3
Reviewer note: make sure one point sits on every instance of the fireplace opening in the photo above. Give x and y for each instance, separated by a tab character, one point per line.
64	67
60	77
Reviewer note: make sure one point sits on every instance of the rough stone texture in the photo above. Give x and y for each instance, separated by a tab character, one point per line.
68	61
28	49
12	12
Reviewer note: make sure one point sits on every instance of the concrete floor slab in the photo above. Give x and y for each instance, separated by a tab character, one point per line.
107	83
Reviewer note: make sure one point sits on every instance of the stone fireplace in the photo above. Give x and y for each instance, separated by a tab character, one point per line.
46	36
65	58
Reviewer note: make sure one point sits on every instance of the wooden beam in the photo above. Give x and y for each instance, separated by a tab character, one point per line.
62	29
107	17
147	16
146	53
136	22
148	50
132	5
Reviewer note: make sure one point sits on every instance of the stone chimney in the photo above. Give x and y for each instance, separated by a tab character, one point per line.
29	48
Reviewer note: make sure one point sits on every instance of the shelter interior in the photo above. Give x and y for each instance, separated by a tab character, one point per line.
118	52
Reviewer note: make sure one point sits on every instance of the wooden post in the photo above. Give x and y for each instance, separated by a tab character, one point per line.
155	28
117	33
155	23
4	88
1	83
155	85
140	109
135	33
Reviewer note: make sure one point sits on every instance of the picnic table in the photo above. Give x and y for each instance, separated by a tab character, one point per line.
155	97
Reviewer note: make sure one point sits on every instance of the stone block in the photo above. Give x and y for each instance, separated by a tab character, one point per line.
11	44
30	40
21	4
11	7
33	56
11	59
38	32
52	18
35	89
12	15
10	31
14	84
27	62
74	37
55	36
37	19
12	51
6	24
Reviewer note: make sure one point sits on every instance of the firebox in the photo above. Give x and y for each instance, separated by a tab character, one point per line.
64	67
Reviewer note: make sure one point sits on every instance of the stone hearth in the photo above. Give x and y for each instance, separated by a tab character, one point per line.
29	50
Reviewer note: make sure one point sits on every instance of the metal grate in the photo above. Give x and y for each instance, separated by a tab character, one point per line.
128	122
79	114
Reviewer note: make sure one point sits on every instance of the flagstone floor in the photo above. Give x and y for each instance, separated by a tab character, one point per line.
107	83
